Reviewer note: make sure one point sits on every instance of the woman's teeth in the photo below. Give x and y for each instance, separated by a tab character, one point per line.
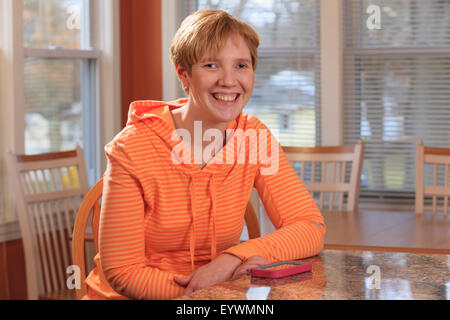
225	97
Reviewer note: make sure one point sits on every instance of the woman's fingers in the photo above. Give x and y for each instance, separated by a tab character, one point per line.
184	282
218	270
239	272
222	268
244	269
252	262
188	290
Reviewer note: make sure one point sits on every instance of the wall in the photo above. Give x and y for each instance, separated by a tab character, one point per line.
12	271
141	65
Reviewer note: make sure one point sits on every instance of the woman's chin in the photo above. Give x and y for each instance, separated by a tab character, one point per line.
227	116
228	113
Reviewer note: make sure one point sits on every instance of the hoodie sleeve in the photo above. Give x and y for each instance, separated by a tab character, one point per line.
294	213
121	234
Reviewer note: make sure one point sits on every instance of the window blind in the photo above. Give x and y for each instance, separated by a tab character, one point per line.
396	86
286	96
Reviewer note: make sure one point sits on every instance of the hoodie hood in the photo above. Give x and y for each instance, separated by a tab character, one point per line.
144	109
158	118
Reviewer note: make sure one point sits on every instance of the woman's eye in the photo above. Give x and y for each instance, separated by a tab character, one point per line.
242	66
211	65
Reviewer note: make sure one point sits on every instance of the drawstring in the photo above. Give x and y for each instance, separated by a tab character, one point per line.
192	237
212	190
212	228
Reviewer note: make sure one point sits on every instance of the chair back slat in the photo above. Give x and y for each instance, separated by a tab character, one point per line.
55	261
329	173
302	175
49	259
49	188
64	235
313	171
434	184
333	178
51	247
342	181
432	179
446	185
35	216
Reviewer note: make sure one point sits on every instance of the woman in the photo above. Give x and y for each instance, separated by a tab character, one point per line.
173	206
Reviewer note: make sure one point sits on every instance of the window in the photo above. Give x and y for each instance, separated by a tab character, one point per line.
397	86
286	96
59	78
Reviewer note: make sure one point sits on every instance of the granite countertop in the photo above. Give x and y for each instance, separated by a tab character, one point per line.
347	275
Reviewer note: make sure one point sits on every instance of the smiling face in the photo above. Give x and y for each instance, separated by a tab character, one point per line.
221	84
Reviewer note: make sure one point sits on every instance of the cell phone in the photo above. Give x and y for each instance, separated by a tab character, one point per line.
281	269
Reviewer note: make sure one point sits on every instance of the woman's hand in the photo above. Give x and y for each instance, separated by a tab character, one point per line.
218	270
252	262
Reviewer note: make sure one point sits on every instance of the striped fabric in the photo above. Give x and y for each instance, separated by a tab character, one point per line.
160	219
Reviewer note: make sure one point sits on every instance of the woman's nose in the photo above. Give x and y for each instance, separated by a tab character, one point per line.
227	78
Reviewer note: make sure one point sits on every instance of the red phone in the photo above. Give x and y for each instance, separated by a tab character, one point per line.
281	269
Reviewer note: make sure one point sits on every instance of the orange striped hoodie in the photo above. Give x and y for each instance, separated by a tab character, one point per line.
161	218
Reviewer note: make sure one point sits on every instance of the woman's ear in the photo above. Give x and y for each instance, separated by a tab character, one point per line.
182	75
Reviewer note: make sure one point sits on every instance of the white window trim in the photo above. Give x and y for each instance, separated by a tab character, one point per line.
332	72
169	12
11	93
106	38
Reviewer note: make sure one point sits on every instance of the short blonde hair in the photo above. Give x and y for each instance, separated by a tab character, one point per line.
209	28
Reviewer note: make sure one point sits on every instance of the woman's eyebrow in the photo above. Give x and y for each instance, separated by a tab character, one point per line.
245	60
207	59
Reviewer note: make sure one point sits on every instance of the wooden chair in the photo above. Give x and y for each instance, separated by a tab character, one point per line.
330	171
48	189
90	210
437	159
